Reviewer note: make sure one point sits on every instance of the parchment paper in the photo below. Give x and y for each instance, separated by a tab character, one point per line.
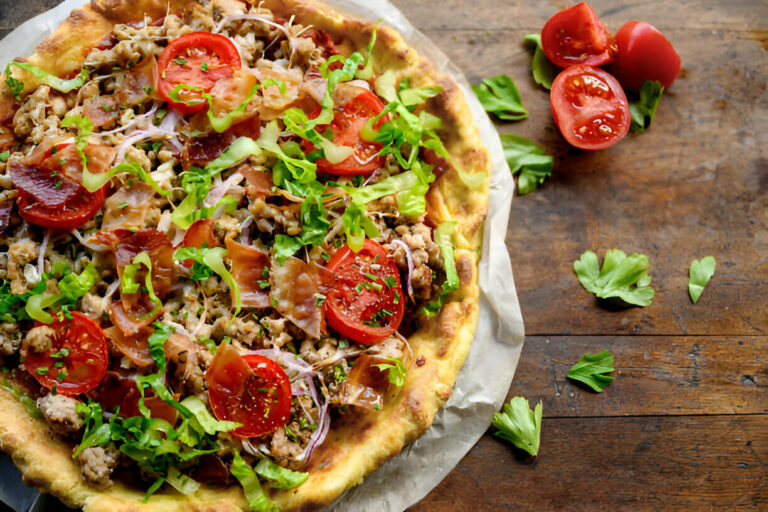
483	382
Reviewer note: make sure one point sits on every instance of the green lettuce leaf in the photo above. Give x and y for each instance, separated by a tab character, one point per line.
621	276
280	477
527	159
205	419
499	96
257	499
12	306
543	71
520	425
74	286
396	371
213	258
591	370
219	124
699	274
48	79
444	239
643	110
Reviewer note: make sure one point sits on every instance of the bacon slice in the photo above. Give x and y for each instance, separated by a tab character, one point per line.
119	391
134	345
259	182
248	265
294	285
127	208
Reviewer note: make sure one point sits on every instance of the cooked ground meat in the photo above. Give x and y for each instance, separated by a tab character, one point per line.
283	448
20	253
39	339
10	339
96	465
61	413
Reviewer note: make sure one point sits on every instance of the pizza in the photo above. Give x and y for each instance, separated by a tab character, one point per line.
241	245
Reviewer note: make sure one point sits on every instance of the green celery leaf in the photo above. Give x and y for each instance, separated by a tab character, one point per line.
528	159
73	286
591	370
699	274
257	499
621	276
543	71
520	425
280	477
643	110
499	96
396	371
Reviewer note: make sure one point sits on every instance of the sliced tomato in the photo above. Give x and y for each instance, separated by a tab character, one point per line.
199	59
643	53
348	120
367	302
249	389
589	107
78	359
75	212
576	36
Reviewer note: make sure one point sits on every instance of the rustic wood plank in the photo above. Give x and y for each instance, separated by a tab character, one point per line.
651	463
654	375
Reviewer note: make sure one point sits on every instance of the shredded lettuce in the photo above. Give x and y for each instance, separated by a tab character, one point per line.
443	238
257	499
128	283
205	419
367	72
213	258
280	477
220	124
27	401
396	370
181	482
37	303
12	306
93	182
74	286
45	77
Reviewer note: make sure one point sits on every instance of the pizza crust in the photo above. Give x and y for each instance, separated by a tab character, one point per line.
358	443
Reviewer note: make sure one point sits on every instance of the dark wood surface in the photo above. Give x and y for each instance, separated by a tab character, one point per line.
685	424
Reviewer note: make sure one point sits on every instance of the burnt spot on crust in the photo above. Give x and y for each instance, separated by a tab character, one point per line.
420	361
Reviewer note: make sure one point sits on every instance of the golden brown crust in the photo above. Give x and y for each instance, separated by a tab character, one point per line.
358	443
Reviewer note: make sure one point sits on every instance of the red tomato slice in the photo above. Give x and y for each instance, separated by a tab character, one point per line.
362	305
78	210
250	389
83	363
576	36
348	120
589	107
198	59
644	54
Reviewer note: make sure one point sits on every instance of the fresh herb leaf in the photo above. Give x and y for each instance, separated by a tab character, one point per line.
621	276
280	477
699	274
204	67
591	370
5	155
12	307
543	70
520	425
181	62
499	96
528	159
643	110
396	369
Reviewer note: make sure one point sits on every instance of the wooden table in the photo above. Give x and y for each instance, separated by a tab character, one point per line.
685	424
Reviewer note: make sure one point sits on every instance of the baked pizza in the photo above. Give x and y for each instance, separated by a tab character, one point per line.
240	246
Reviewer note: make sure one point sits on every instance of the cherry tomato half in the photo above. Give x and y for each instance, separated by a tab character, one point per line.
199	59
589	107
348	120
644	54
74	213
78	360
576	36
249	389
367	303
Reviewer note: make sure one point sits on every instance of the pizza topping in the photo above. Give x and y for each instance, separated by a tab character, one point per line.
60	411
215	217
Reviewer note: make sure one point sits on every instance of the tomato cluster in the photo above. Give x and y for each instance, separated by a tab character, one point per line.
588	103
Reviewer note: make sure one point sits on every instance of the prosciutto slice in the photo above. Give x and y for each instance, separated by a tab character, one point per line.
248	265
127	208
294	286
160	251
132	88
366	384
134	345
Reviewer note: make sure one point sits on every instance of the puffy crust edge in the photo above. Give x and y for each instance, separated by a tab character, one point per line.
358	443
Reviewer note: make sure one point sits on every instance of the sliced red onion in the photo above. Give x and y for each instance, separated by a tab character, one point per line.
319	435
41	253
245	231
153	132
147	116
112	288
217	192
409	257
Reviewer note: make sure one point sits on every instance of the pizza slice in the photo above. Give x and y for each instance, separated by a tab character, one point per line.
242	246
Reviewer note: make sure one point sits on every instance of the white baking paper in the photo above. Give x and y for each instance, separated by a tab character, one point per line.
483	381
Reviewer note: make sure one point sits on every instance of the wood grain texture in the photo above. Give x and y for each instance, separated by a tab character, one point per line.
639	464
